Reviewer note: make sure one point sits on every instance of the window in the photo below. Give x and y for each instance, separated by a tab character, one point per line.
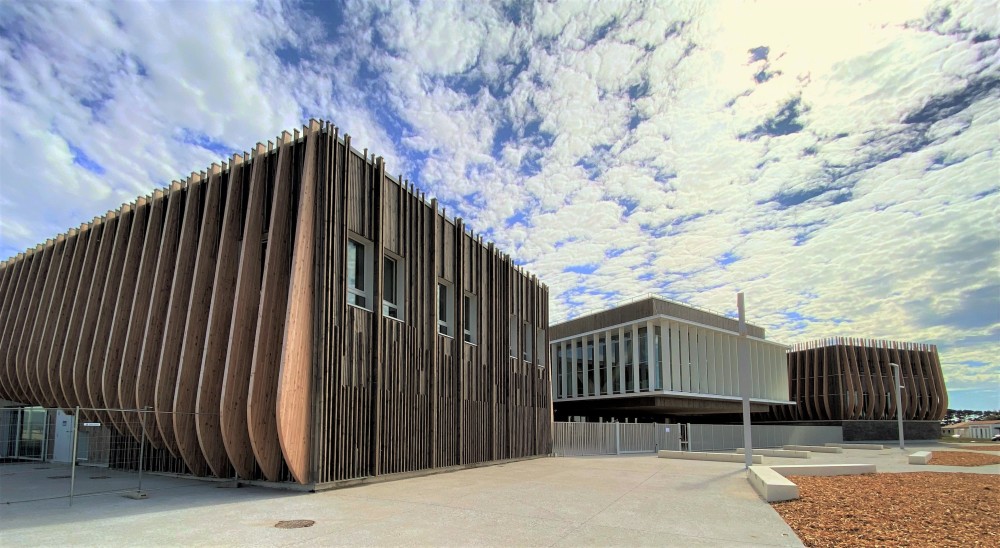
529	337
392	287
446	305
513	329
540	348
471	314
359	274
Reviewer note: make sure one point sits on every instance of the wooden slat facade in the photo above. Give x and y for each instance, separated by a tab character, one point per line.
220	306
851	379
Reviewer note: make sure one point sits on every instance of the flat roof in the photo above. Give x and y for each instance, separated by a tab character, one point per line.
645	308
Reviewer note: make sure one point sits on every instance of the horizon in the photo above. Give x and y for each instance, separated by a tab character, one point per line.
838	164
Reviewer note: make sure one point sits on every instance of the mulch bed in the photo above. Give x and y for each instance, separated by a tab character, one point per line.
962	458
970	447
910	509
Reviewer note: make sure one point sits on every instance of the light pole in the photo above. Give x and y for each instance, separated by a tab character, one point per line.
899	404
743	362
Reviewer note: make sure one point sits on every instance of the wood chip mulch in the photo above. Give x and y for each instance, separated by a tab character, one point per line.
909	509
971	447
962	458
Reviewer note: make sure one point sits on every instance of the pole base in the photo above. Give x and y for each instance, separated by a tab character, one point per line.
137	495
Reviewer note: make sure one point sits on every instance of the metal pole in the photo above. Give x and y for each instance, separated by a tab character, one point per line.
743	349
72	458
899	404
618	438
142	445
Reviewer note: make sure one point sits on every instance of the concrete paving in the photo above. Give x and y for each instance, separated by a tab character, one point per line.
570	501
583	501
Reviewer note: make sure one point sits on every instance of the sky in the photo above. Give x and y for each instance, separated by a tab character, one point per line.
835	161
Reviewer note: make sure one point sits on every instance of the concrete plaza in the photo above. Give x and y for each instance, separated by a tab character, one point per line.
636	500
588	501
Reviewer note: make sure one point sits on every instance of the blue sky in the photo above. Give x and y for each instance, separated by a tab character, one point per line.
835	161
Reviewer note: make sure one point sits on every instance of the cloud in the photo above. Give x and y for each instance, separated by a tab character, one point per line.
837	163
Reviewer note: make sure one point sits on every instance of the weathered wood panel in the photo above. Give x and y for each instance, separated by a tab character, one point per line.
177	312
106	312
239	356
159	301
213	368
112	366
293	413
273	301
53	334
85	342
196	326
139	315
59	370
30	316
37	374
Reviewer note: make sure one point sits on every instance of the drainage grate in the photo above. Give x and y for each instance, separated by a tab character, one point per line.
100	477
42	467
59	477
294	524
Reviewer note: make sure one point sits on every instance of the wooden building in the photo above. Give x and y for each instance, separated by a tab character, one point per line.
294	314
848	379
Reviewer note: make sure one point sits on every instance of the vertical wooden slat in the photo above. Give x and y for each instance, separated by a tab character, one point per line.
272	308
239	356
185	394
176	312
210	380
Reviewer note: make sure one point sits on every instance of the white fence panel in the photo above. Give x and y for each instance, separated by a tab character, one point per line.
610	438
722	437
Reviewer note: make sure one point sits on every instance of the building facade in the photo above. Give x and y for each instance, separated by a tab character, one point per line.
655	358
847	379
294	314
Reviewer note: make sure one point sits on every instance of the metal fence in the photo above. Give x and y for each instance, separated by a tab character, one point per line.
615	438
50	454
612	438
721	437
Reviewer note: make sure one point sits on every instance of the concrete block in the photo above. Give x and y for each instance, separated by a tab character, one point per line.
770	485
870	446
784	453
920	457
814	448
823	469
697	455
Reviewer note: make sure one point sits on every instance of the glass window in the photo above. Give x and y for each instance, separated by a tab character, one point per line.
392	294
529	337
446	305
469	321
513	329
358	274
540	347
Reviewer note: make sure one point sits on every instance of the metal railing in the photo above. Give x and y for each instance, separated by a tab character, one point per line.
53	454
615	438
612	438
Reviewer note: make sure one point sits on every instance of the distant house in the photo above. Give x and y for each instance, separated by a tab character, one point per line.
974	429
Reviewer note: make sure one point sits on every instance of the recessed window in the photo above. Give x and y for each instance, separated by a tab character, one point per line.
471	314
392	288
359	274
540	347
514	329
529	337
446	306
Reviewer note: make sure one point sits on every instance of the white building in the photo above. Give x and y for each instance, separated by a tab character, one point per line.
655	357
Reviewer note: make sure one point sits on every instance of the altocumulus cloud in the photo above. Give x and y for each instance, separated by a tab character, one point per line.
837	163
